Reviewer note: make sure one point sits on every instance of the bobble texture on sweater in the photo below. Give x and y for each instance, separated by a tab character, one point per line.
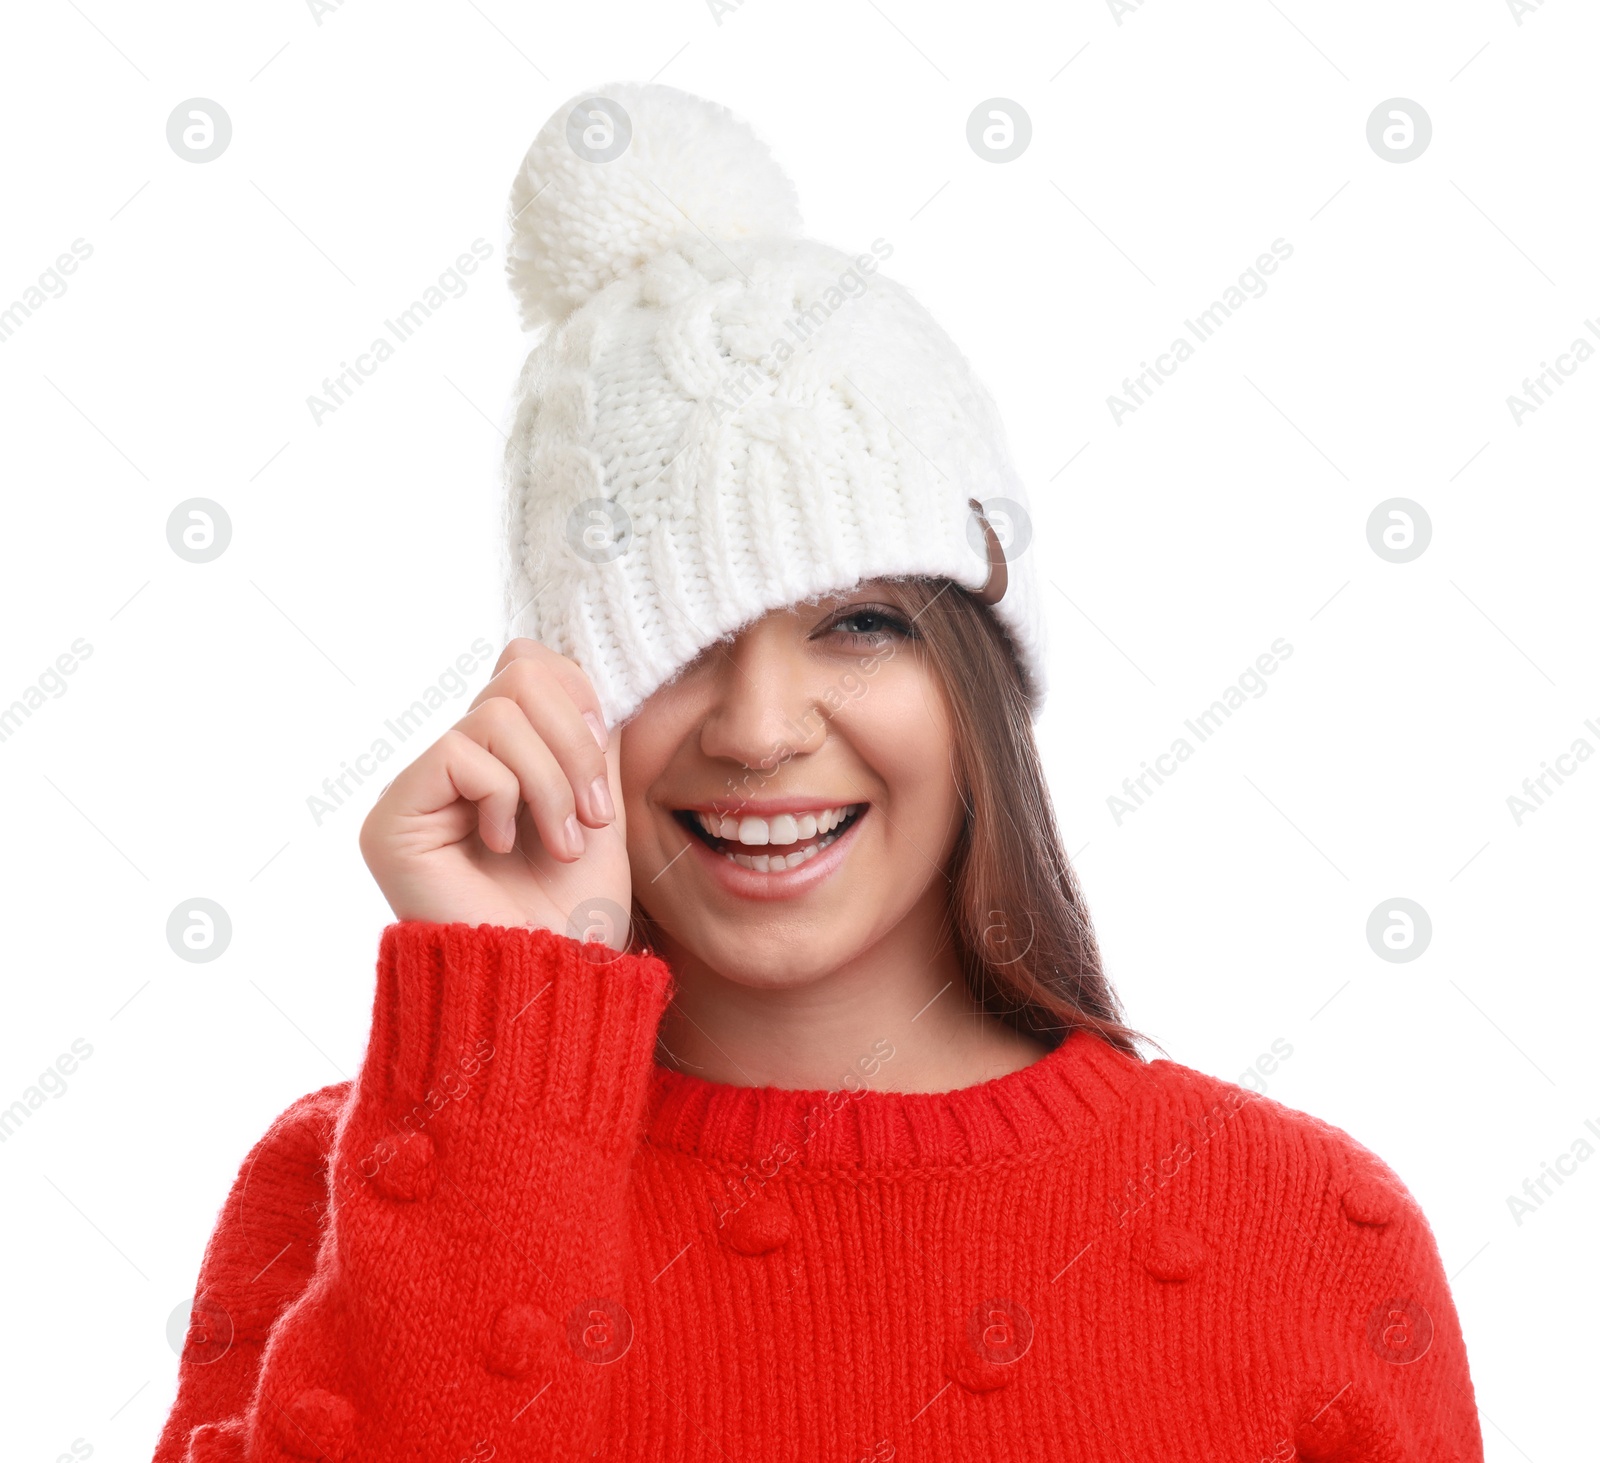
515	1236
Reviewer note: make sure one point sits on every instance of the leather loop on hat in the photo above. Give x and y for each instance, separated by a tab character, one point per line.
994	588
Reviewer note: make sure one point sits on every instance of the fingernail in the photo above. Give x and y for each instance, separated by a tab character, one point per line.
597	727
600	794
574	834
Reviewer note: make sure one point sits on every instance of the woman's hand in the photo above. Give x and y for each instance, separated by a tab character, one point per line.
514	816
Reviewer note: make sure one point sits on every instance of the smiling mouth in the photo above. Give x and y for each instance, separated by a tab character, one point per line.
772	845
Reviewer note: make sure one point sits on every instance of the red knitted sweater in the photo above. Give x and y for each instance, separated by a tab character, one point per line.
515	1236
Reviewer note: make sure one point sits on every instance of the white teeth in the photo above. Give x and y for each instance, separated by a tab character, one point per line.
780	830
784	828
764	863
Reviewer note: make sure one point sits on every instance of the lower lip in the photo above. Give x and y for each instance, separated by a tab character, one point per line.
746	883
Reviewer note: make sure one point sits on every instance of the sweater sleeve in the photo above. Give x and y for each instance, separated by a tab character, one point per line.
453	1220
1382	1369
262	1252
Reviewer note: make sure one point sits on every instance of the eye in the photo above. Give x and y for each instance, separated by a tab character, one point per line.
871	626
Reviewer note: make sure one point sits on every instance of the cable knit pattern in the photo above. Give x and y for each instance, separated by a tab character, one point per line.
724	418
514	1236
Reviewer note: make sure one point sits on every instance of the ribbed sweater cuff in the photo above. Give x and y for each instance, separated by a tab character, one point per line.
512	1025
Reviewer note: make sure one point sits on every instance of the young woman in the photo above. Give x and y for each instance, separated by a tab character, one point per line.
743	1082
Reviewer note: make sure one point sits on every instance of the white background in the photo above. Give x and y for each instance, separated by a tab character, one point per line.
1168	151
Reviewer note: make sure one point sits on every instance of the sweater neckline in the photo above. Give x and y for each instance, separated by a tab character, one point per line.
1045	1105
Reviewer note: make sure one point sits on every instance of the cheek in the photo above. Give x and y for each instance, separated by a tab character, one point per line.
902	731
643	756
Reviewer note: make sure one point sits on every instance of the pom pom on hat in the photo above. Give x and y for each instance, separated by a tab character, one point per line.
725	417
616	174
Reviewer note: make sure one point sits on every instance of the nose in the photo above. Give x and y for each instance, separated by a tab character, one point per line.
763	707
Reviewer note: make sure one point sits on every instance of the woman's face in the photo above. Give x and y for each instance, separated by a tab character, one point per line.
818	737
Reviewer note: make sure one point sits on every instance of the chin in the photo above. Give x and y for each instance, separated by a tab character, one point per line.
777	957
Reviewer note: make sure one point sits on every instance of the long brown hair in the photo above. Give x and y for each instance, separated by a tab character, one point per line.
1020	920
1017	914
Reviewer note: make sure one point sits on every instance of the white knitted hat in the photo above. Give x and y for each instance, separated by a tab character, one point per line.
723	418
